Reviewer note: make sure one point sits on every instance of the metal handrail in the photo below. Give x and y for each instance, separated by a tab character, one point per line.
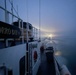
10	13
20	20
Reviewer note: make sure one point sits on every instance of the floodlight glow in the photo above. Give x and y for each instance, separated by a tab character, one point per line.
51	36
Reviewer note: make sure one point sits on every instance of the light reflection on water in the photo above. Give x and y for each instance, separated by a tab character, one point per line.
60	59
67	53
57	53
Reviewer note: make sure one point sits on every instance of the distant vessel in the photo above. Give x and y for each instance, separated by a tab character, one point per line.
20	48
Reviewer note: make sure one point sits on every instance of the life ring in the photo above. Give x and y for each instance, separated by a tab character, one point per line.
35	56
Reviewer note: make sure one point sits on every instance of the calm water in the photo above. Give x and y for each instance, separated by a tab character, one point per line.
67	49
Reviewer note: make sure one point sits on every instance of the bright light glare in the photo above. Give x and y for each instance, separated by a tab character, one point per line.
51	35
57	53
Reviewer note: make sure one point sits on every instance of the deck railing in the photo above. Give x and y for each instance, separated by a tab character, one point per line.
7	15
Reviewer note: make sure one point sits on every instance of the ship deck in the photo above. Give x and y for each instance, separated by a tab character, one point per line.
46	68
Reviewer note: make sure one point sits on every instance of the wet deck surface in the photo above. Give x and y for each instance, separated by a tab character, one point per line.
46	68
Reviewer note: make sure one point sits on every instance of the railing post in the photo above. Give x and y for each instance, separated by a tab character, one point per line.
5	11
6	21
12	9
22	33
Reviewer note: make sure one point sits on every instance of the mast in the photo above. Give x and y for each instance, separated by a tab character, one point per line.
39	19
27	50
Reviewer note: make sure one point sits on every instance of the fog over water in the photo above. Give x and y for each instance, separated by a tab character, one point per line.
67	47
